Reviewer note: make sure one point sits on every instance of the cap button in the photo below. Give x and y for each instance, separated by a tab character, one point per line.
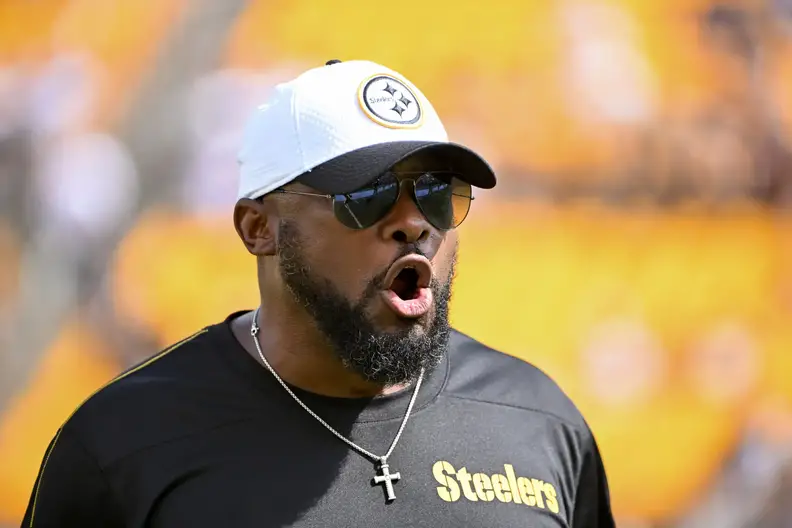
331	62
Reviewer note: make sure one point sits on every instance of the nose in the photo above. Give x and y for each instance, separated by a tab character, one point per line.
405	223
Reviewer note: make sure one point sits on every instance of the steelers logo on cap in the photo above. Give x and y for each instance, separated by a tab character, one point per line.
390	102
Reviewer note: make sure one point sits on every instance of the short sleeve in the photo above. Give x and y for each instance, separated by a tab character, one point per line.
592	503
70	489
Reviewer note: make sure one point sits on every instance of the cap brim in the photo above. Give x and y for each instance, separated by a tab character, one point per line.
353	170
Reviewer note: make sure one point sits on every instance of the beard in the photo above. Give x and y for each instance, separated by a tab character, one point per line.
384	357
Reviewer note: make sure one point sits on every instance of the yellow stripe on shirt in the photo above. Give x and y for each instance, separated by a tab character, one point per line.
118	378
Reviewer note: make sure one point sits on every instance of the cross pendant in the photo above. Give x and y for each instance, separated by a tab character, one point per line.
387	478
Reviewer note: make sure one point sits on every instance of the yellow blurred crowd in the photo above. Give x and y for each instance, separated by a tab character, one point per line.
572	88
671	329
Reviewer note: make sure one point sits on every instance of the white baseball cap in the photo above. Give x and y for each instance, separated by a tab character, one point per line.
337	127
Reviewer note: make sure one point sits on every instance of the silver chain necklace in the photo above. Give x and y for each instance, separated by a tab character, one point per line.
387	478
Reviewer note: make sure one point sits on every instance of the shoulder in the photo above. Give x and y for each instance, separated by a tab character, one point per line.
483	374
169	395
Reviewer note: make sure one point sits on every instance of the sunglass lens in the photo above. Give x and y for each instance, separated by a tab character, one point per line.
365	207
443	198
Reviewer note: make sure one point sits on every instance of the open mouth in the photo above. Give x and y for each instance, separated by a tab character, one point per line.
405	284
408	276
407	290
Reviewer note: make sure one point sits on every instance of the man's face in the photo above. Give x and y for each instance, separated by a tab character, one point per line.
346	280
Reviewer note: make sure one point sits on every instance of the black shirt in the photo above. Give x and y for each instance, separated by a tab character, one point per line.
201	435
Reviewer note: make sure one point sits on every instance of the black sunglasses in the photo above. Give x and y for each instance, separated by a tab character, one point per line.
441	196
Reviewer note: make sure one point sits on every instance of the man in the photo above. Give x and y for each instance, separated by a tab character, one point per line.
345	399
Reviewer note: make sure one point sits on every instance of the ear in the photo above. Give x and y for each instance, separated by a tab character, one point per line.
256	224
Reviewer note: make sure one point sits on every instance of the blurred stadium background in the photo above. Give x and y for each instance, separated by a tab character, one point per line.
638	247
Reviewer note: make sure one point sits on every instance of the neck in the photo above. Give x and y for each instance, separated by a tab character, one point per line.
301	356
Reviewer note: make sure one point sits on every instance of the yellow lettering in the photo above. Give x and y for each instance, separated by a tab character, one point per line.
526	491
464	478
483	487
486	488
538	485
500	484
513	483
550	497
449	491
